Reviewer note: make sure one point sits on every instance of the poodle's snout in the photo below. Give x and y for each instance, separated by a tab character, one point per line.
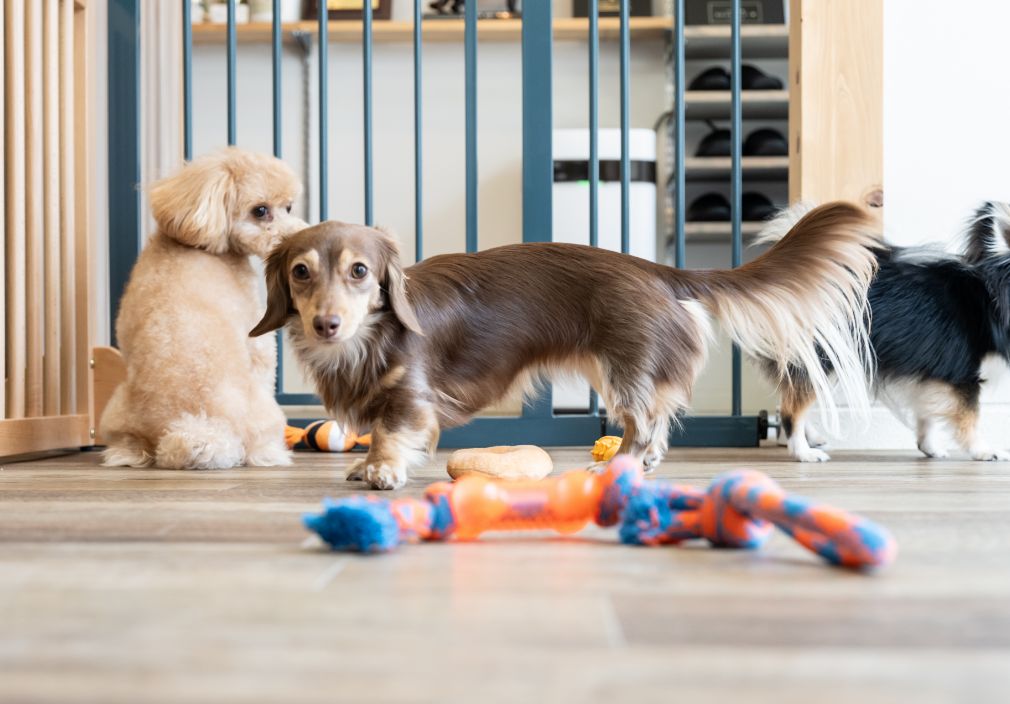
326	326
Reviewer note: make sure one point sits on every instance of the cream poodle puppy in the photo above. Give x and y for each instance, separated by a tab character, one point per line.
199	392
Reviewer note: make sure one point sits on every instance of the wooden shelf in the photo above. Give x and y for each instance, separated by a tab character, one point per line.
757	41
718	231
642	28
701	42
755	168
706	104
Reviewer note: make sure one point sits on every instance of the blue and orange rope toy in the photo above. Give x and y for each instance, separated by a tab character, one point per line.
740	509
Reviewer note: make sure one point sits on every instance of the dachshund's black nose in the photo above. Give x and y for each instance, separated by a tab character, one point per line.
326	326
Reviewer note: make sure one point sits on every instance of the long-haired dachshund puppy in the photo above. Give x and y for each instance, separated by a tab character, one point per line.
407	352
934	319
199	394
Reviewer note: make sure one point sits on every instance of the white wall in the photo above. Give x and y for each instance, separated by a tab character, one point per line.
946	110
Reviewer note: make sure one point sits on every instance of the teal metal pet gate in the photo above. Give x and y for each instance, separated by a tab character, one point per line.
539	422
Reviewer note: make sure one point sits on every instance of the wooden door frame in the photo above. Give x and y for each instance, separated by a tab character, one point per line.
836	116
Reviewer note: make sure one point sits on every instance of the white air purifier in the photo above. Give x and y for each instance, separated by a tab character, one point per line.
571	209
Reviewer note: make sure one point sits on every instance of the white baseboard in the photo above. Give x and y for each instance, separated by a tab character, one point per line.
885	432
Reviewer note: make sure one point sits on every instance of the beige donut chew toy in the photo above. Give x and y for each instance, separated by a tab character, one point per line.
502	462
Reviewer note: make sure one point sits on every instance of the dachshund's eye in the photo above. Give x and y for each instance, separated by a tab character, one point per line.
288	208
359	271
300	272
260	212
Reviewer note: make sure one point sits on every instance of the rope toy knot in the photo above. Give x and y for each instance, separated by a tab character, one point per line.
740	510
663	514
724	521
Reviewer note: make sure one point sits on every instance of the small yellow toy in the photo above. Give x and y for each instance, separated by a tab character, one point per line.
605	448
324	436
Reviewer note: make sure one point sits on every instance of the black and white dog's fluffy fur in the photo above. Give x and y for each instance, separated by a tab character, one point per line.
934	318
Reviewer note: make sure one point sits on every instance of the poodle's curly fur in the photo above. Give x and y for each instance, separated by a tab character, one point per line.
199	390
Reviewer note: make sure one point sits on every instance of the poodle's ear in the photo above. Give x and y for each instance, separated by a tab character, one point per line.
279	305
394	282
194	206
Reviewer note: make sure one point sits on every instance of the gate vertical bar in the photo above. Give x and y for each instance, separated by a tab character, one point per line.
594	146
232	39
366	62
34	234
736	181
275	42
51	197
418	202
625	41
124	145
68	230
679	181
470	62
14	320
187	81
324	51
538	163
275	58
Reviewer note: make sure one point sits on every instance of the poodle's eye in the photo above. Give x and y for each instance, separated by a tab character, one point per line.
358	271
289	208
300	272
260	212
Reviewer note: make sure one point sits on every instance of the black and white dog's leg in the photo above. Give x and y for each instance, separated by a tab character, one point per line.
797	398
963	417
927	437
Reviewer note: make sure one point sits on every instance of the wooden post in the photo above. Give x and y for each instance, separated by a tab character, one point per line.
85	296
3	224
68	270
836	121
14	194
34	237
51	205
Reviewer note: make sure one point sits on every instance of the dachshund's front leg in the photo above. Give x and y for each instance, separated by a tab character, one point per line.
385	467
403	438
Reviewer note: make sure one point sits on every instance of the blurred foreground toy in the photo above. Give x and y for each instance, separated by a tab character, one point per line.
738	510
324	436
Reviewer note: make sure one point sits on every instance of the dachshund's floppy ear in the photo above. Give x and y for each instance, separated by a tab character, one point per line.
279	305
194	206
394	282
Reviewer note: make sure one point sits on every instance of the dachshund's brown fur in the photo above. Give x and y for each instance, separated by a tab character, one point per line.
431	346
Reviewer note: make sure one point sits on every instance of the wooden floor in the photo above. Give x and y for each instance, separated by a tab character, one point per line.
160	586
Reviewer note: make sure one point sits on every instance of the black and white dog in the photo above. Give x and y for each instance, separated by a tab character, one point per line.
934	318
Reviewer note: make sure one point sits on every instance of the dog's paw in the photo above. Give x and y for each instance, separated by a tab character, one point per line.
651	461
933	451
356	471
986	455
385	477
811	454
